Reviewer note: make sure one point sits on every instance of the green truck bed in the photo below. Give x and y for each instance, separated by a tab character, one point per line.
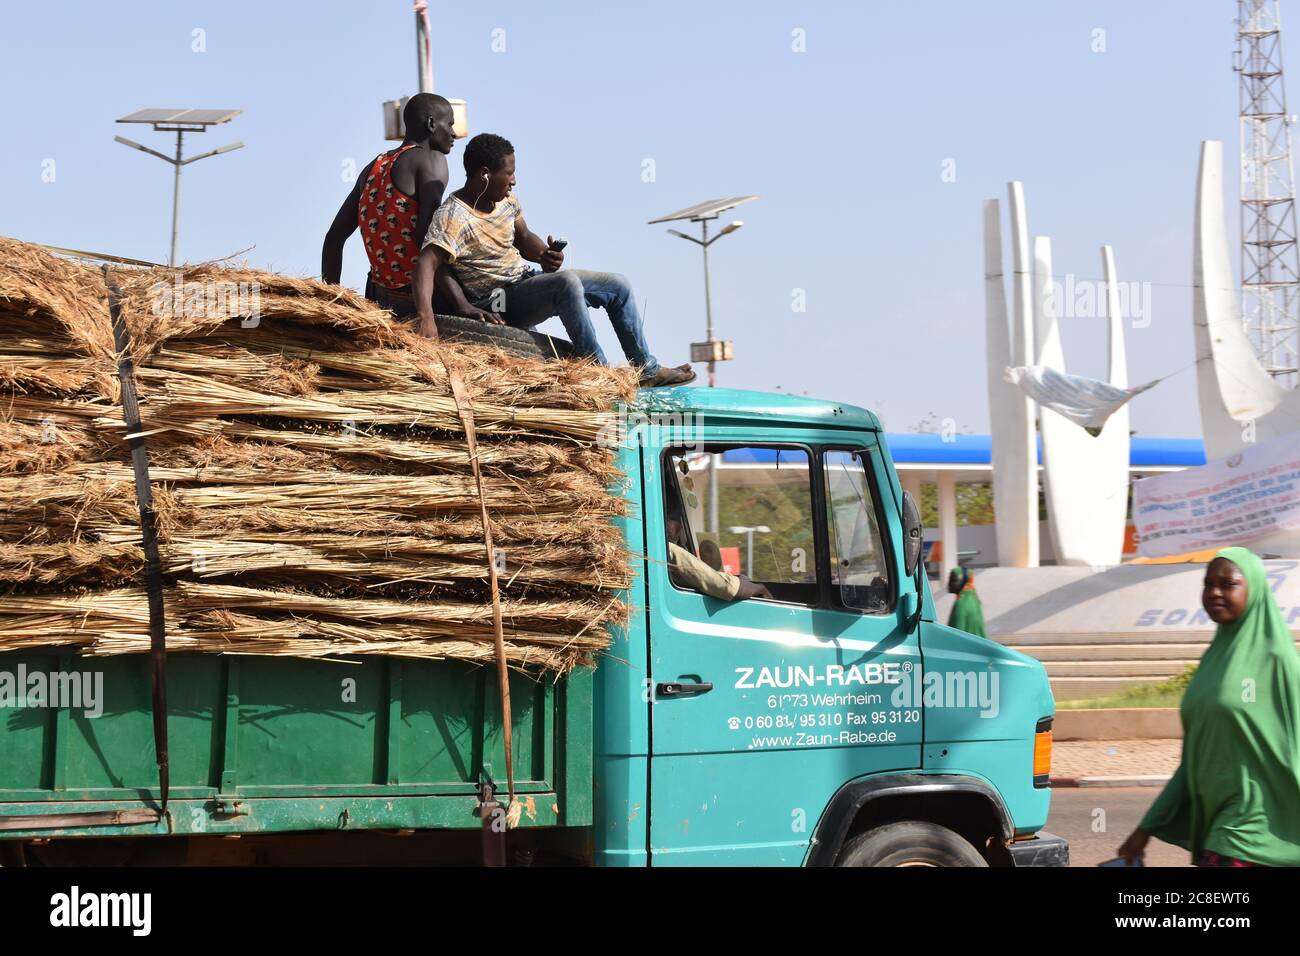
271	745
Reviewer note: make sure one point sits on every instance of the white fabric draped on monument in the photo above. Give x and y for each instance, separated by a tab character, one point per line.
1085	401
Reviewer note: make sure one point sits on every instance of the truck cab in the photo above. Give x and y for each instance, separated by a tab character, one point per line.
831	720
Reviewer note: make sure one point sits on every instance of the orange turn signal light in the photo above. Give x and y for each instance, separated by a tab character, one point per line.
1042	757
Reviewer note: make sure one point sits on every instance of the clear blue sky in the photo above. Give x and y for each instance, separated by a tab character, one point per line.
846	144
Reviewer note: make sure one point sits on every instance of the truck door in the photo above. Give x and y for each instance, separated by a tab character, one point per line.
764	706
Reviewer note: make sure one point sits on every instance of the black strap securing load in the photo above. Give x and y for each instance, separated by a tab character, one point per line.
153	586
148	531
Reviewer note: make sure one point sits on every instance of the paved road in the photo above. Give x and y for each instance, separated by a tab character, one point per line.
1078	813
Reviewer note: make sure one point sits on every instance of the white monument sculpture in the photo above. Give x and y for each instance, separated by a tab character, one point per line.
1085	477
1011	417
1112	447
1241	404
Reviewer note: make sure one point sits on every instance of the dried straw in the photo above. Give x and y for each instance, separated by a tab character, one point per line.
309	470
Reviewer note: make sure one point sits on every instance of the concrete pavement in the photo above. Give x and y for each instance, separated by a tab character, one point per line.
1114	763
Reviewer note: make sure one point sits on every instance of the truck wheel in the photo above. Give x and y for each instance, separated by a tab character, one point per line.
910	843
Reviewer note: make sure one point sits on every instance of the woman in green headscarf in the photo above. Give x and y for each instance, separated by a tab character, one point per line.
967	612
1235	798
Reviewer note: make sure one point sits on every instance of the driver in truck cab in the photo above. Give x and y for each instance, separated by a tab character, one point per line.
695	574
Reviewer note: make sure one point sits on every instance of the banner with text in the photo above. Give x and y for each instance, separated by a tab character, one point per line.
1228	501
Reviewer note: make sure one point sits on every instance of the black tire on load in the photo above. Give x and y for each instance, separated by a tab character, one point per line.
536	345
910	843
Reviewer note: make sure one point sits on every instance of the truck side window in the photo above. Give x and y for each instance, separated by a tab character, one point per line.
761	523
859	563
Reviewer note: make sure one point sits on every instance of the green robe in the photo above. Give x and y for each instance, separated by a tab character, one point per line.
1237	788
968	613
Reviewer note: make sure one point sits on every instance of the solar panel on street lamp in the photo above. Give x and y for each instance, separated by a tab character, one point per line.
703	213
708	209
179	122
190	120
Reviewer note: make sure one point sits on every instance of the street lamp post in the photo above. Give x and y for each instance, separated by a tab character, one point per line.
748	532
713	352
710	350
179	122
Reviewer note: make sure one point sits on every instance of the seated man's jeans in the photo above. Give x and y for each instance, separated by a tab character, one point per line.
567	293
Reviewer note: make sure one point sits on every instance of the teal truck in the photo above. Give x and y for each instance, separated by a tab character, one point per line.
831	720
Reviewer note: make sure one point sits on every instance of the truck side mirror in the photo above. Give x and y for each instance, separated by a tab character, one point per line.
912	534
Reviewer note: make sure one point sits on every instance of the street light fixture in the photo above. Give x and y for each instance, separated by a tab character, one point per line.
749	546
179	122
725	230
709	350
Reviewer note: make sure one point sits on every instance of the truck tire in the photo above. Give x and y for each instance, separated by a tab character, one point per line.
536	345
910	843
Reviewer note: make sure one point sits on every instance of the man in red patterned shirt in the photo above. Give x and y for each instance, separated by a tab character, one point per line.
392	202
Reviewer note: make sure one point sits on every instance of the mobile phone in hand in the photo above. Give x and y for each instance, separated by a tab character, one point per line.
559	244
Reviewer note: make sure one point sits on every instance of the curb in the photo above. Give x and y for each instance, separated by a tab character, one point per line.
1120	723
1144	780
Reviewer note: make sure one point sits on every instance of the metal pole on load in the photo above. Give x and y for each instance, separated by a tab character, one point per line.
394	131
423	60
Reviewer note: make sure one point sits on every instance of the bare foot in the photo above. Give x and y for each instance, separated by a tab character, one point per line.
681	375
